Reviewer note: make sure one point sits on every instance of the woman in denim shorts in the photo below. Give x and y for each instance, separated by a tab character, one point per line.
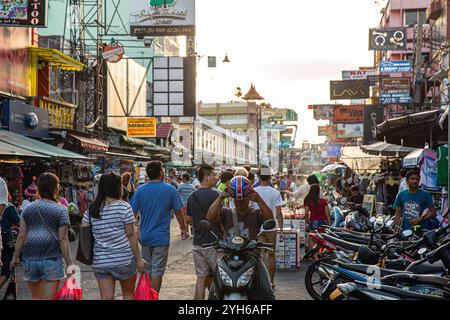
116	251
44	239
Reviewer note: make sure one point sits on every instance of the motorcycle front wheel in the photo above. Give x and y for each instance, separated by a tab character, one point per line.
315	283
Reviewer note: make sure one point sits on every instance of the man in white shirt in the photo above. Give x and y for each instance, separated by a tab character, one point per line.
272	198
301	192
403	184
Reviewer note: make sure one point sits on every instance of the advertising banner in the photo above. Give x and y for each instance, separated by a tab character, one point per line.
387	39
162	17
349	114
395	97
334	150
323	111
24	13
350	130
322	130
395	84
358	74
141	127
400	66
25	119
349	89
373	115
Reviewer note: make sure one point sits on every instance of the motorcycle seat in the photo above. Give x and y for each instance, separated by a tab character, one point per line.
426	267
352	238
342	243
423	278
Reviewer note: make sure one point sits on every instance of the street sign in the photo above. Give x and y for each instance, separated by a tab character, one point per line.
395	97
141	127
399	66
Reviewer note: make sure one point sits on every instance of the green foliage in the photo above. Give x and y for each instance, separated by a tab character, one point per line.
160	3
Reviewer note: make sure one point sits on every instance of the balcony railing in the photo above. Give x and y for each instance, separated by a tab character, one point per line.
61	114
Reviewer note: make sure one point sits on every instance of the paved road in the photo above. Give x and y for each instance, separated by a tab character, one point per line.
179	281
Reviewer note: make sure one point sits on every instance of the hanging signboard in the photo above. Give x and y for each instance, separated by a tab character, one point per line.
141	127
399	66
323	111
358	74
24	13
113	52
349	114
387	39
349	89
395	97
350	130
373	115
162	17
395	84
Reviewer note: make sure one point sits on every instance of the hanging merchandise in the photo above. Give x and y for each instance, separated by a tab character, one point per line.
428	170
442	166
31	191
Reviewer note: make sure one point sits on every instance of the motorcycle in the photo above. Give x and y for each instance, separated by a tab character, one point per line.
237	274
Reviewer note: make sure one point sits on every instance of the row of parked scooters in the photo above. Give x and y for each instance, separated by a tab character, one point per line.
379	264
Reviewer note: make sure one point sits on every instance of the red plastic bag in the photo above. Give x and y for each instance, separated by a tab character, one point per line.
70	290
144	290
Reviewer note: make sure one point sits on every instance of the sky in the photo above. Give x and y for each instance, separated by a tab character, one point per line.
289	50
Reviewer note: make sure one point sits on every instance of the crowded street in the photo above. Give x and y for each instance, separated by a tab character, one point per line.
210	151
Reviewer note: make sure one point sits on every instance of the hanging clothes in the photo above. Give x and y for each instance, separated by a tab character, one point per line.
428	170
442	166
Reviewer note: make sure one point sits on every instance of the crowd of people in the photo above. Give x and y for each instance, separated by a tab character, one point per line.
131	225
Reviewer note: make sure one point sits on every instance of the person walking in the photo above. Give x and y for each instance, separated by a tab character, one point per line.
3	204
44	240
225	179
272	198
185	189
153	202
128	187
205	259
300	193
116	250
411	204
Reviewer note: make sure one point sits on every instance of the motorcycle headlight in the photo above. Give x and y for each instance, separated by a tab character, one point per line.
245	278
225	277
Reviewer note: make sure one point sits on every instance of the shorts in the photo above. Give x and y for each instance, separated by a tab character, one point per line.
313	225
43	269
156	258
269	237
205	260
117	273
7	256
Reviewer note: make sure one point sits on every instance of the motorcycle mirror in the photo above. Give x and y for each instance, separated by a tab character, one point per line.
205	225
269	224
407	233
422	251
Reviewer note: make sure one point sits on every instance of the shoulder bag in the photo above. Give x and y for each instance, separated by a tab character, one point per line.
85	251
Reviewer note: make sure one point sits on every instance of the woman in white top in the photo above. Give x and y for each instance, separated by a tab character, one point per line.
116	251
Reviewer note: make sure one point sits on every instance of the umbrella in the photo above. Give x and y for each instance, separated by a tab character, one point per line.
387	149
333	167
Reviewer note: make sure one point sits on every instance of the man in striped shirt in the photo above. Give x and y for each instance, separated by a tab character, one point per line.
185	189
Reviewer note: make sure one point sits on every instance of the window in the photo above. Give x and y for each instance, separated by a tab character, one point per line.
414	17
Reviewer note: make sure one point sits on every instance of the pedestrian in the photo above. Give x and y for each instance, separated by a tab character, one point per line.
356	198
44	240
3	205
205	259
128	187
301	191
250	221
9	219
241	172
251	177
225	179
317	212
153	202
184	190
172	182
116	250
403	183
411	204
272	198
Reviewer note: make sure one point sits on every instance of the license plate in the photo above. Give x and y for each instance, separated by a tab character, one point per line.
335	294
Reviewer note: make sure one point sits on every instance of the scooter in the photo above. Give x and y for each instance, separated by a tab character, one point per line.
237	276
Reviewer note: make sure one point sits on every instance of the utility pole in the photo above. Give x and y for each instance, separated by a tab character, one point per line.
418	64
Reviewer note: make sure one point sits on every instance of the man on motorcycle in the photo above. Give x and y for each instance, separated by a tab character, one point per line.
250	221
411	203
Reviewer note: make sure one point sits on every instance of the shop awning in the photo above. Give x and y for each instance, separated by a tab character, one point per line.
387	149
163	130
413	130
38	147
178	164
138	142
412	159
8	150
128	156
90	143
358	161
57	59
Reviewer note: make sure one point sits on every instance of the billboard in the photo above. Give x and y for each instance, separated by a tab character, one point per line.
24	13
162	17
373	115
386	39
141	127
395	97
350	130
126	95
323	111
174	86
349	89
395	84
399	66
358	74
349	114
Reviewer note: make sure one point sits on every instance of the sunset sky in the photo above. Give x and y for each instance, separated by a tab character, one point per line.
289	49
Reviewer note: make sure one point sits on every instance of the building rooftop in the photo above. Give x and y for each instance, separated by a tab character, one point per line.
252	94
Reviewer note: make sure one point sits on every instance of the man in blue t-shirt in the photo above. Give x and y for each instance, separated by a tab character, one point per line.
153	201
410	204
